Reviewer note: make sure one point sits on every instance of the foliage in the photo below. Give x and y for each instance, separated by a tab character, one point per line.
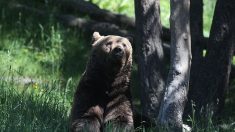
208	9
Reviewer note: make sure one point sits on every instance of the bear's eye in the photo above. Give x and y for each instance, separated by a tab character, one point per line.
124	45
108	44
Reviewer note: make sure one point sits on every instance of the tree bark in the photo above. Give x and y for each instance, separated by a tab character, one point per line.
232	73
196	28
150	55
175	96
214	75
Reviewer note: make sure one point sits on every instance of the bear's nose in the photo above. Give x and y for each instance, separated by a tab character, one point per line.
118	51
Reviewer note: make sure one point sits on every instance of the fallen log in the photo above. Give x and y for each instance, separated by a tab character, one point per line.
89	26
101	15
94	12
86	25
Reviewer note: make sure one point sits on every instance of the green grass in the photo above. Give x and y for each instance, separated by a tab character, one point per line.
48	53
54	57
34	107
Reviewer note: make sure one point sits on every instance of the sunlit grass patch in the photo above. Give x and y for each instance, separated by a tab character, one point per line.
119	6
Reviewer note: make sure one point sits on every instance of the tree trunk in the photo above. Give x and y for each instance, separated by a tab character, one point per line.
196	28
175	97
214	76
150	55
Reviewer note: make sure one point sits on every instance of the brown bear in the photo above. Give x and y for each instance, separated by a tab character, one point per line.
103	98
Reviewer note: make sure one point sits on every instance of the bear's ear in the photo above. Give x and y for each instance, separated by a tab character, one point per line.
95	36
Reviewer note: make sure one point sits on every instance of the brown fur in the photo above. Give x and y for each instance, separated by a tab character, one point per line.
103	94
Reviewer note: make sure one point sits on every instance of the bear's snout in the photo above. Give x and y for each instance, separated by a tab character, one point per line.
118	52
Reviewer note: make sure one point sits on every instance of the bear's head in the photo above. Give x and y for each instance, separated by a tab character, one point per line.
111	50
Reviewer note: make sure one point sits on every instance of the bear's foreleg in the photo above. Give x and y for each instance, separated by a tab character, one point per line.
119	117
90	121
86	124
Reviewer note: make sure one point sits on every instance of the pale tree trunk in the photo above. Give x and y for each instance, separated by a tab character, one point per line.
175	96
150	55
214	75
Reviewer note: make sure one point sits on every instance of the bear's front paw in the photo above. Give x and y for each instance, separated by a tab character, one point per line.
86	125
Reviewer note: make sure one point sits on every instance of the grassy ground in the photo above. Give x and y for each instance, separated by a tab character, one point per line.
41	63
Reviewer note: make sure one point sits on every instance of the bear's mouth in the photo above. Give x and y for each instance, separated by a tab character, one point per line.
116	59
118	56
